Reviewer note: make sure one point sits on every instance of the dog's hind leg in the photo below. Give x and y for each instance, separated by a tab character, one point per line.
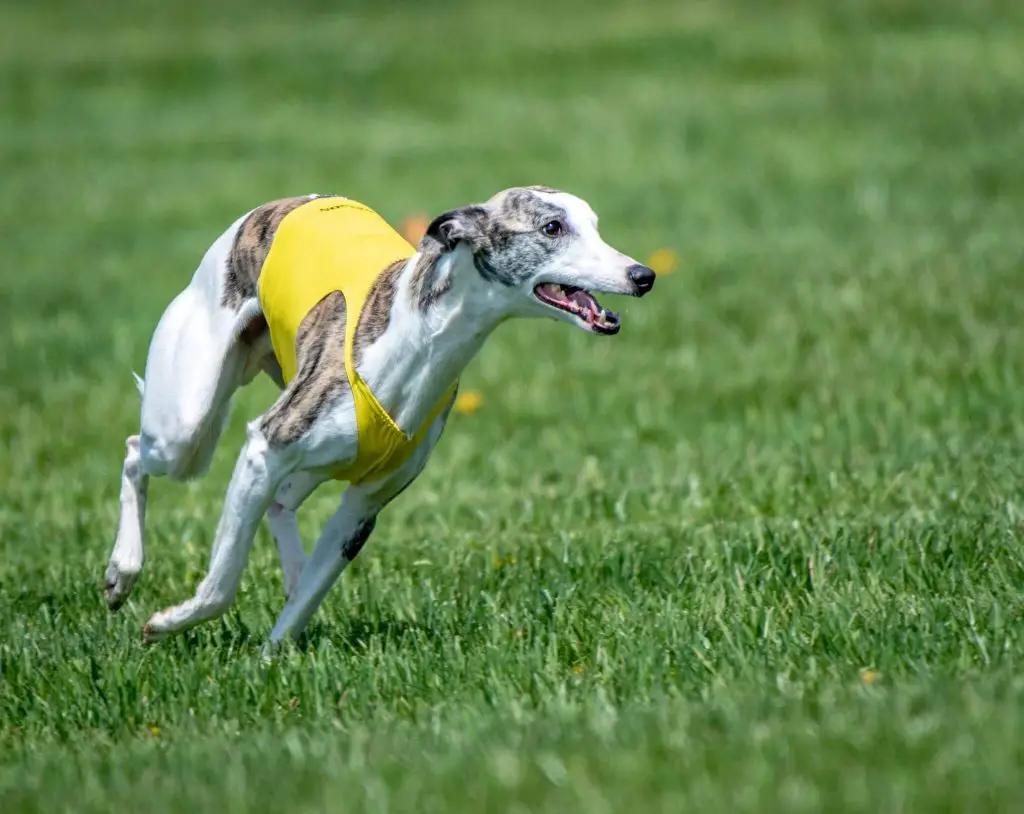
275	448
126	559
259	471
198	357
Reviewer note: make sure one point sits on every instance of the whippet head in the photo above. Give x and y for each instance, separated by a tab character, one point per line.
539	253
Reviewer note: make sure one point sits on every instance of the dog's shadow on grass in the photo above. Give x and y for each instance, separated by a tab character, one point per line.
353	636
230	636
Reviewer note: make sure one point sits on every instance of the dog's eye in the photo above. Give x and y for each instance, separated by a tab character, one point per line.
553	228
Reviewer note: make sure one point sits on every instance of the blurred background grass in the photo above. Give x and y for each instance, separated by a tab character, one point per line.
797	462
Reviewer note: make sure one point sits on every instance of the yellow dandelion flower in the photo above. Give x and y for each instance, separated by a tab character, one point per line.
869	677
468	402
663	261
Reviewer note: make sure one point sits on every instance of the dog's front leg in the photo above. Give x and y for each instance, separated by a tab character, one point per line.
341	539
344	534
285	528
258	473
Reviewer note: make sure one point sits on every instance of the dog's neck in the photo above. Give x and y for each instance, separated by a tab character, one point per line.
440	316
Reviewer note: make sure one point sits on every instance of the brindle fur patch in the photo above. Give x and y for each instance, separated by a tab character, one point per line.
321	377
503	235
512	246
376	315
521	210
251	246
426	286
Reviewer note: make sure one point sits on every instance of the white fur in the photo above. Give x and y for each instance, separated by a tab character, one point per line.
196	362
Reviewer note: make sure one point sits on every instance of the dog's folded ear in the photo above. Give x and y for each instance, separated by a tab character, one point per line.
466	223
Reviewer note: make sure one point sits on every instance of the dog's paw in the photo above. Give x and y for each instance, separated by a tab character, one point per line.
157	628
118	583
269	652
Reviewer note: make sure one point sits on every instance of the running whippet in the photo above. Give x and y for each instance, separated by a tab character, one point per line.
366	337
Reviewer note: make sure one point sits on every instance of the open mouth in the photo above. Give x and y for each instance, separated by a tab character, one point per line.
580	304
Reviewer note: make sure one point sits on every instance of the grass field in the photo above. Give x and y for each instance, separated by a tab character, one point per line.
760	552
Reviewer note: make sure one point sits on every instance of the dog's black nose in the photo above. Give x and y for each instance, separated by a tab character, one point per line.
642	277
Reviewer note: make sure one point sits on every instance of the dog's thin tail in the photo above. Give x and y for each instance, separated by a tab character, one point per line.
250	311
140	384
